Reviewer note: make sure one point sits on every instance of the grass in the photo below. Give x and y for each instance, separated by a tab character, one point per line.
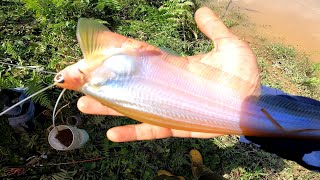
31	33
284	68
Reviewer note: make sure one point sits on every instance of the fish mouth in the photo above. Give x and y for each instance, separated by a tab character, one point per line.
59	78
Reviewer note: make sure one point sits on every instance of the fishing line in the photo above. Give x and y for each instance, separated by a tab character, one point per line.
55	108
58	79
24	100
29	67
226	9
222	17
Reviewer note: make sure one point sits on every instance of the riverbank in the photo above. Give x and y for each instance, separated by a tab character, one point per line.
291	22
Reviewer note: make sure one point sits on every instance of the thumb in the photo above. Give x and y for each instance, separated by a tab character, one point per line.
211	25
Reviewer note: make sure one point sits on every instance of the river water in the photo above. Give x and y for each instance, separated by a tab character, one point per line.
293	22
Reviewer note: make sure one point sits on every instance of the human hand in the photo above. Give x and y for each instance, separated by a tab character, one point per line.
230	54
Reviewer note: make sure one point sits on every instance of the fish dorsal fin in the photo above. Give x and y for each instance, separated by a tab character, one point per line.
90	35
216	75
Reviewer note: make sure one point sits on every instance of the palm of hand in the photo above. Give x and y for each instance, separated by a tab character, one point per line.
234	57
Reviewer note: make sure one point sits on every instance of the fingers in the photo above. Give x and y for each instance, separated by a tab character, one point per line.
89	105
211	25
148	132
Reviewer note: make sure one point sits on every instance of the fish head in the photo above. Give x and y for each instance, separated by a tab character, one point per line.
101	59
113	64
72	77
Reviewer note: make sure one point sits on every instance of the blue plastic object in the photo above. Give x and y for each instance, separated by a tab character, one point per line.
305	152
21	114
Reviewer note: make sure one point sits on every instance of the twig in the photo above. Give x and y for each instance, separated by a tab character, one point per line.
20	170
72	162
225	11
58	164
273	121
278	126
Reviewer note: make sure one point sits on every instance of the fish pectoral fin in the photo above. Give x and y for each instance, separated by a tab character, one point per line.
89	33
92	37
96	42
